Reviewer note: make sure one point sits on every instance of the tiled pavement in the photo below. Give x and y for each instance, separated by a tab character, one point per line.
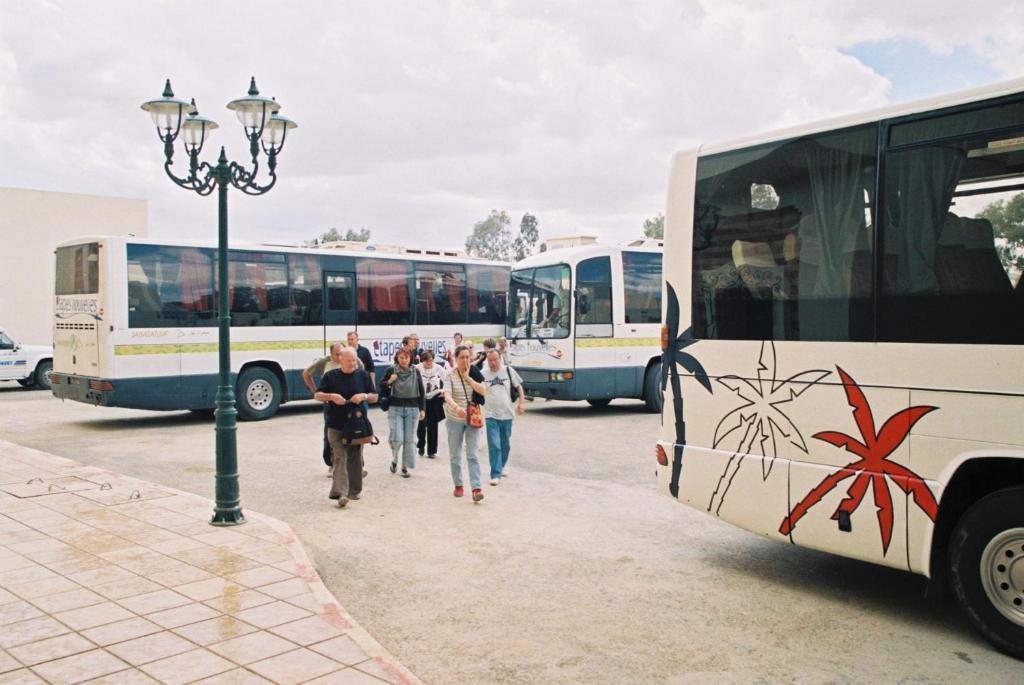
109	579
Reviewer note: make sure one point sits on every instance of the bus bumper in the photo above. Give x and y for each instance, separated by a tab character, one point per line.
555	390
98	391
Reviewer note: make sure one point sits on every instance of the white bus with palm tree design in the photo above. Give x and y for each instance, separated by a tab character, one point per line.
844	342
584	323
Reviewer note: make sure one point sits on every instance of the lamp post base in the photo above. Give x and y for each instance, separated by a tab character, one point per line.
228	517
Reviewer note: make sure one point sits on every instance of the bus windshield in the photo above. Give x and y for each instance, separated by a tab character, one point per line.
540	302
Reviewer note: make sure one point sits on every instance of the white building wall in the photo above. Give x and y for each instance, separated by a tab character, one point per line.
32	223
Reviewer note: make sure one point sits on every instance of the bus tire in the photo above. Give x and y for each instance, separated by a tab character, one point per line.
257	394
986	568
42	375
599	403
653	397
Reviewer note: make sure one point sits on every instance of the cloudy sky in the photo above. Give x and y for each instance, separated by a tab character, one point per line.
418	118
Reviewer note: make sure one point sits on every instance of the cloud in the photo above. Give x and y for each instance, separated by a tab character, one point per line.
416	119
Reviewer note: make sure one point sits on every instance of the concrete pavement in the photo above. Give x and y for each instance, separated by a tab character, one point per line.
107	578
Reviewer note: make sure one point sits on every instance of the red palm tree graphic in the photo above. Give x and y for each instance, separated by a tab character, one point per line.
872	467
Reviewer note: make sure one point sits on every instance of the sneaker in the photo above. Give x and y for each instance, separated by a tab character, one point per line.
405	473
330	472
353	496
394	466
458	491
342	502
431	456
504	472
495	481
478	494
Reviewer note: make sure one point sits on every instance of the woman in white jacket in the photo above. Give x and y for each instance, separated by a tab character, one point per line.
433	391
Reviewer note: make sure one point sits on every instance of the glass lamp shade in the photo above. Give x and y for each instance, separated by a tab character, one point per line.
253	110
275	131
167	111
195	129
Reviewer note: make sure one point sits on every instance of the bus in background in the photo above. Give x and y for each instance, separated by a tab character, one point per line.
136	319
584	323
845	342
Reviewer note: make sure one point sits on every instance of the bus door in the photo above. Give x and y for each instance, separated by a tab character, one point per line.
595	342
339	306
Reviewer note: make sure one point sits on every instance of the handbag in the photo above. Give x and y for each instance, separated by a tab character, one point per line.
513	391
357	429
384	396
474	415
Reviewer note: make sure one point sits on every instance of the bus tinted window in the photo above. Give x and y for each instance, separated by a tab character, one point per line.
78	270
641	280
594	303
258	289
170	286
307	290
486	293
383	292
952	252
440	294
801	271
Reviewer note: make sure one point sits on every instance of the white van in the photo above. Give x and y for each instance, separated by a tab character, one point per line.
28	364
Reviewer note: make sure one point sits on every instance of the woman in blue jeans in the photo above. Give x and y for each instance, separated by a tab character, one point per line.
405	412
462	388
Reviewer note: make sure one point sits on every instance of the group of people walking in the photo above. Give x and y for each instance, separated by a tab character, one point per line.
471	393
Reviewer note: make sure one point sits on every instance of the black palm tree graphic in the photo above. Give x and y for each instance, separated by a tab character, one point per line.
762	419
672	356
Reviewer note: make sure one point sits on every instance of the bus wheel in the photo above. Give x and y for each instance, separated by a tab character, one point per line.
599	404
42	376
986	568
653	397
258	394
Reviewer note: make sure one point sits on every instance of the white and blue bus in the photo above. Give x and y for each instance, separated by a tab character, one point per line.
136	319
584	323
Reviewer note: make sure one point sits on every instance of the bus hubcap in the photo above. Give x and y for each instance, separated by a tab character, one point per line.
1002	573
259	394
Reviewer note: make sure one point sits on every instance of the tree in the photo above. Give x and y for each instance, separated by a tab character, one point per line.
359	236
654	227
492	237
1007	217
526	241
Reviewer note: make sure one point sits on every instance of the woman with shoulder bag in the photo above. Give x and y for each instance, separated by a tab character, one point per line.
463	400
405	411
347	391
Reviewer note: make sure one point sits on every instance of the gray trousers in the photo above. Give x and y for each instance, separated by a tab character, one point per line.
348	466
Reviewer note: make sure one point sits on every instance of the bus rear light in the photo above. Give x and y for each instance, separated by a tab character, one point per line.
664	337
659	452
101	385
557	376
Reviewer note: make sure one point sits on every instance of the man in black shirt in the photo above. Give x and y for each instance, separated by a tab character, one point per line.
340	388
365	358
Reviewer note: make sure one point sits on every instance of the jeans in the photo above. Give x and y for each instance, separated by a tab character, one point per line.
457	432
499	442
327	443
402	434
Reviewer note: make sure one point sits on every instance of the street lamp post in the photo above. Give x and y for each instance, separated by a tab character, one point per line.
266	131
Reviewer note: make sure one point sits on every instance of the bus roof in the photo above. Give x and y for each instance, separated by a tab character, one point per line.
571	255
412	254
907	108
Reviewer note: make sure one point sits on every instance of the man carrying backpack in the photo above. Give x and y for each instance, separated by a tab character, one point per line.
504	401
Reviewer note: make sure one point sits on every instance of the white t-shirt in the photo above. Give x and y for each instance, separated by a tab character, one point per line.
499	403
